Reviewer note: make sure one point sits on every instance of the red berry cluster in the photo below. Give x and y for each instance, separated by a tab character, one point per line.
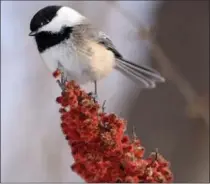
101	151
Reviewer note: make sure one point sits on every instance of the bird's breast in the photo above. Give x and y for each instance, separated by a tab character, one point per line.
82	64
74	63
102	60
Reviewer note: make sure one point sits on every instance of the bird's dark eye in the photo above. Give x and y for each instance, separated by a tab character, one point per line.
43	17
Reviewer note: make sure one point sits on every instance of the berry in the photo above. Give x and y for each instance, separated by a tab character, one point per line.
101	151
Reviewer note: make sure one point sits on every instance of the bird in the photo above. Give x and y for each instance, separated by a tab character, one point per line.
67	39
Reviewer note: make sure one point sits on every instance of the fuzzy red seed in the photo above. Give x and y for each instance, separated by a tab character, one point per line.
118	181
62	110
101	150
56	73
73	167
64	116
169	178
63	125
128	148
163	164
65	131
125	139
165	171
59	99
129	179
65	103
154	164
64	94
139	153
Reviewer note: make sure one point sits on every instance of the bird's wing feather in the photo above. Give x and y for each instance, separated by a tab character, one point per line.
144	74
105	41
89	31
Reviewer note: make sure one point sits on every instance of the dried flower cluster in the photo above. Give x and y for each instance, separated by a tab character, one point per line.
101	151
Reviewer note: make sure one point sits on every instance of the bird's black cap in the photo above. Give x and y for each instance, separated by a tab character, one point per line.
43	17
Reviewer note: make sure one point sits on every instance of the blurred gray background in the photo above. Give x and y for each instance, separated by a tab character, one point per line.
33	148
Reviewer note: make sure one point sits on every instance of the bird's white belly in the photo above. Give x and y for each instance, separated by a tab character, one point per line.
93	63
75	66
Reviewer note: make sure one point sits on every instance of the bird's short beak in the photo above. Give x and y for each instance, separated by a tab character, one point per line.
33	33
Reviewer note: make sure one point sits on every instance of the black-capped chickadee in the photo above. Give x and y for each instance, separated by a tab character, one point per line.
64	36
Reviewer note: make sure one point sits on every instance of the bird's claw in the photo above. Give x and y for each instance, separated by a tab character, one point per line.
94	96
62	81
61	84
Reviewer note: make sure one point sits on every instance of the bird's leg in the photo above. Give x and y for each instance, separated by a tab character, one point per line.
94	95
61	86
134	133
103	106
95	87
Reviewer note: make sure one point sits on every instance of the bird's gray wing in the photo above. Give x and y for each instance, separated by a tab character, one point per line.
103	39
86	30
145	74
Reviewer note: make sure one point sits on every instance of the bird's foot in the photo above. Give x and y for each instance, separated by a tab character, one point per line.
62	82
62	86
94	96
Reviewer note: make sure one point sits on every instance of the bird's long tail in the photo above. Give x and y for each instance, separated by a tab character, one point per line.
149	77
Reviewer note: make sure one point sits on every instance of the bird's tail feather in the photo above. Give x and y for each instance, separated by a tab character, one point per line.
149	77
